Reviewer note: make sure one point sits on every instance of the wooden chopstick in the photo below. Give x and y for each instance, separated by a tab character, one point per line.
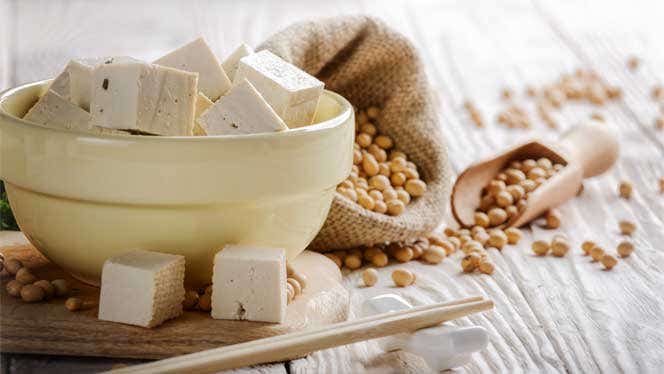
278	338
284	347
351	323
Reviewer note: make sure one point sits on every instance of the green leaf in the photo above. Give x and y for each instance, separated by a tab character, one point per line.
7	221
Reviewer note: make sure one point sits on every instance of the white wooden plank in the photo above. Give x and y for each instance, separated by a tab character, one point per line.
6	42
457	49
607	50
551	315
54	32
144	30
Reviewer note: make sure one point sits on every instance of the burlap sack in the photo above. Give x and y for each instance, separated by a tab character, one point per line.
369	64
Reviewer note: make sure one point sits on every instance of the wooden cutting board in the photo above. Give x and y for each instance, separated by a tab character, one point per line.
48	328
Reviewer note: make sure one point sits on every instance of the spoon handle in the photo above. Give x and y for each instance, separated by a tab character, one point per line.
592	145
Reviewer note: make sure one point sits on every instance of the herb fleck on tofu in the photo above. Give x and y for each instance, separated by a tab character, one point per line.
104	84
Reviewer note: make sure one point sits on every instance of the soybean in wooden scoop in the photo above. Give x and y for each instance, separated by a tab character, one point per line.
519	184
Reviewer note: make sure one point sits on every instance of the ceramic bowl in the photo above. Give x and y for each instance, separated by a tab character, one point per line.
82	198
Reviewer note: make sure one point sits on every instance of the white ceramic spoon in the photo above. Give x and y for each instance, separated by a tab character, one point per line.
442	347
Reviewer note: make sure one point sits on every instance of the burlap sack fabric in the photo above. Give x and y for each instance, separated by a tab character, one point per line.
368	63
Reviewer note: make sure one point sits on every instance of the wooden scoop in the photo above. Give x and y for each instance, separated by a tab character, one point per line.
586	150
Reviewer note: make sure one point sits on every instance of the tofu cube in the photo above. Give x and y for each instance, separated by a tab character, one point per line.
231	62
80	78
196	57
142	288
241	111
55	111
249	283
75	81
60	85
202	104
154	99
291	92
80	81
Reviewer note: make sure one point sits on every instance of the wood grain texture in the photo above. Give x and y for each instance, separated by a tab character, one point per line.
34	328
552	315
30	363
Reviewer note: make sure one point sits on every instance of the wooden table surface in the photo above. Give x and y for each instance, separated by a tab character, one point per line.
552	315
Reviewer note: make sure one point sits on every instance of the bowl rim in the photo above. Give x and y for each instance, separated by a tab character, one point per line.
346	111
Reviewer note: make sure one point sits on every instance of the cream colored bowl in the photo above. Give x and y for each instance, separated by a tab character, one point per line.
82	198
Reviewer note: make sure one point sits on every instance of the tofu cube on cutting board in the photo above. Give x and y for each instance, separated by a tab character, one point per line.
142	288
55	111
292	93
249	283
232	62
241	111
134	95
196	57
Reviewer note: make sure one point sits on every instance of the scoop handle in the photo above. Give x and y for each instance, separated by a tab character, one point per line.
592	145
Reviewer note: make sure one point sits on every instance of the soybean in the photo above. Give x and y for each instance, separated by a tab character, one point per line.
370	277
402	277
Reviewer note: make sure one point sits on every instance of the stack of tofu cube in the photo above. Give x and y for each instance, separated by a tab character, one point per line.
186	92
